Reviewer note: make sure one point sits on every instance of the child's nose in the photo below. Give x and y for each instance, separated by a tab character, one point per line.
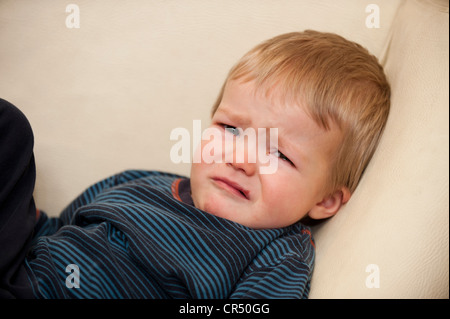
244	157
248	168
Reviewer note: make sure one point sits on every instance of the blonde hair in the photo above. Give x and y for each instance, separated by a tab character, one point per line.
336	80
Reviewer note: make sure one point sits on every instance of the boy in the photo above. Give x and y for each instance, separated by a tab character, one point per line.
228	231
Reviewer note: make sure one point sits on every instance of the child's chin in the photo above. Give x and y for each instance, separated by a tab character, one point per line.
220	209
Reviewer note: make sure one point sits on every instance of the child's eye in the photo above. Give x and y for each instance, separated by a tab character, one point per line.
283	157
232	129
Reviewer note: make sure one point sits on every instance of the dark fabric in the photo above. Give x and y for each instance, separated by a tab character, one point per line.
17	208
130	236
184	191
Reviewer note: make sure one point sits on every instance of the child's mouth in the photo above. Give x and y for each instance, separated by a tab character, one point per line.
231	187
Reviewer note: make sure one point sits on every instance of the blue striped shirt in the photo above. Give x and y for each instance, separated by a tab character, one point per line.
131	236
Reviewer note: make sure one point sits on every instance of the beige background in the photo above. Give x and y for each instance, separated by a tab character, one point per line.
104	97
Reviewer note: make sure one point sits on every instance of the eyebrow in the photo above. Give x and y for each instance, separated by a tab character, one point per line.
233	116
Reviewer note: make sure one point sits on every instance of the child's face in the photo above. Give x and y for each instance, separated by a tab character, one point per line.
271	200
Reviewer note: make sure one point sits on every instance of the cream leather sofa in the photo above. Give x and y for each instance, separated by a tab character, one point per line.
104	83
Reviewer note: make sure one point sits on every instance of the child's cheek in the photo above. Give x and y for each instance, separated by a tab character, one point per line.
273	188
211	147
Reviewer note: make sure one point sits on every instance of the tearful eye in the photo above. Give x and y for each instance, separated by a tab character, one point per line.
232	129
283	157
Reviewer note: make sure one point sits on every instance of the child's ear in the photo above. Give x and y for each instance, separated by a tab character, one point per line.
331	204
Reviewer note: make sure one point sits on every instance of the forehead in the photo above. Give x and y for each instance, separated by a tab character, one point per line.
268	107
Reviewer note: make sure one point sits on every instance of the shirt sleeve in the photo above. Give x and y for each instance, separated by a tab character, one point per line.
89	195
49	225
288	279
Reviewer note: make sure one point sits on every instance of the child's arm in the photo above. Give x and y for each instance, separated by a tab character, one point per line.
290	279
48	226
89	195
